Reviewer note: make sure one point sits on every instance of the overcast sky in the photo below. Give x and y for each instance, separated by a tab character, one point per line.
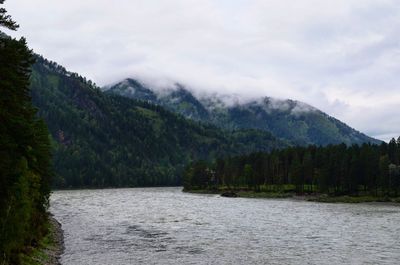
341	56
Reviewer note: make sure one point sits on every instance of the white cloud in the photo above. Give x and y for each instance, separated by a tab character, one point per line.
340	56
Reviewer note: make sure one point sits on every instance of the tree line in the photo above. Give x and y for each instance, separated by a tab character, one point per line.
25	168
333	169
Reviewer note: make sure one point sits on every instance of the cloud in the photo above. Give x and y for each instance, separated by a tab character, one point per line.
341	56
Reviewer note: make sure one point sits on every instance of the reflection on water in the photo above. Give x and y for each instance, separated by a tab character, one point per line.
166	226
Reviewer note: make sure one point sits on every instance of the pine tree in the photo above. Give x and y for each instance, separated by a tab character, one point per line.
297	173
384	177
393	151
308	170
25	173
6	20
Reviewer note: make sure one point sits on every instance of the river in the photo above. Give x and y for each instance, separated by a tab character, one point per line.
167	226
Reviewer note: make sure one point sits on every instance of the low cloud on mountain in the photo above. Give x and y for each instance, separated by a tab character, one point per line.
341	57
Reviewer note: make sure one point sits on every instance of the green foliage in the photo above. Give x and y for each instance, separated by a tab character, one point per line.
25	171
335	169
5	20
46	250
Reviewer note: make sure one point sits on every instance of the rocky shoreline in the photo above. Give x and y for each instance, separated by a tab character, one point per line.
54	253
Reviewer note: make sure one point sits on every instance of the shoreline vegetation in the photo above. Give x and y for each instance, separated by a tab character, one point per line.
314	197
49	249
333	173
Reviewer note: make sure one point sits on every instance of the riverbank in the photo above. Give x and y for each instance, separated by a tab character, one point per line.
49	249
307	197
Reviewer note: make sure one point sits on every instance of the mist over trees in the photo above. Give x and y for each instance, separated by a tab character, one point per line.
289	120
25	171
334	169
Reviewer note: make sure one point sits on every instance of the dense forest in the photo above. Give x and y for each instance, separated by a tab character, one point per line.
25	171
334	169
104	140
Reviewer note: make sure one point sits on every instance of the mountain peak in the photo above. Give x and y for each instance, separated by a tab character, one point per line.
288	119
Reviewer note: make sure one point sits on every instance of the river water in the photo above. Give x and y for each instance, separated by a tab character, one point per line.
167	226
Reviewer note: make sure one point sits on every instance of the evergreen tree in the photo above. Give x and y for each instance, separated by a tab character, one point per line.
384	176
248	175
297	173
6	20
393	151
24	151
308	170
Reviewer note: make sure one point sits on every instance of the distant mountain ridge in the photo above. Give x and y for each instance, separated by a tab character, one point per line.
293	121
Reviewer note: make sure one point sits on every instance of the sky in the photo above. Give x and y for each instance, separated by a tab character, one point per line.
341	56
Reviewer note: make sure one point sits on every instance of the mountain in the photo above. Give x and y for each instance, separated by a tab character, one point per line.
106	140
293	121
176	99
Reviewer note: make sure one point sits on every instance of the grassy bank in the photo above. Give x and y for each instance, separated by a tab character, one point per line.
48	249
353	199
270	195
243	193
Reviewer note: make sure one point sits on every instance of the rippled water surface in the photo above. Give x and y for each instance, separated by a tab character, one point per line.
166	226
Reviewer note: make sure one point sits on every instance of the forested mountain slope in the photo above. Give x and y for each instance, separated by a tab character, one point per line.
103	140
291	120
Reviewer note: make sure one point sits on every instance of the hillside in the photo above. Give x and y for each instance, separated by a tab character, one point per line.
105	140
293	121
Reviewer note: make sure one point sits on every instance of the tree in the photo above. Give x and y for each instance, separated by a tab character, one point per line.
25	171
308	170
260	169
297	173
200	175
393	152
354	171
220	171
248	175
384	174
5	20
